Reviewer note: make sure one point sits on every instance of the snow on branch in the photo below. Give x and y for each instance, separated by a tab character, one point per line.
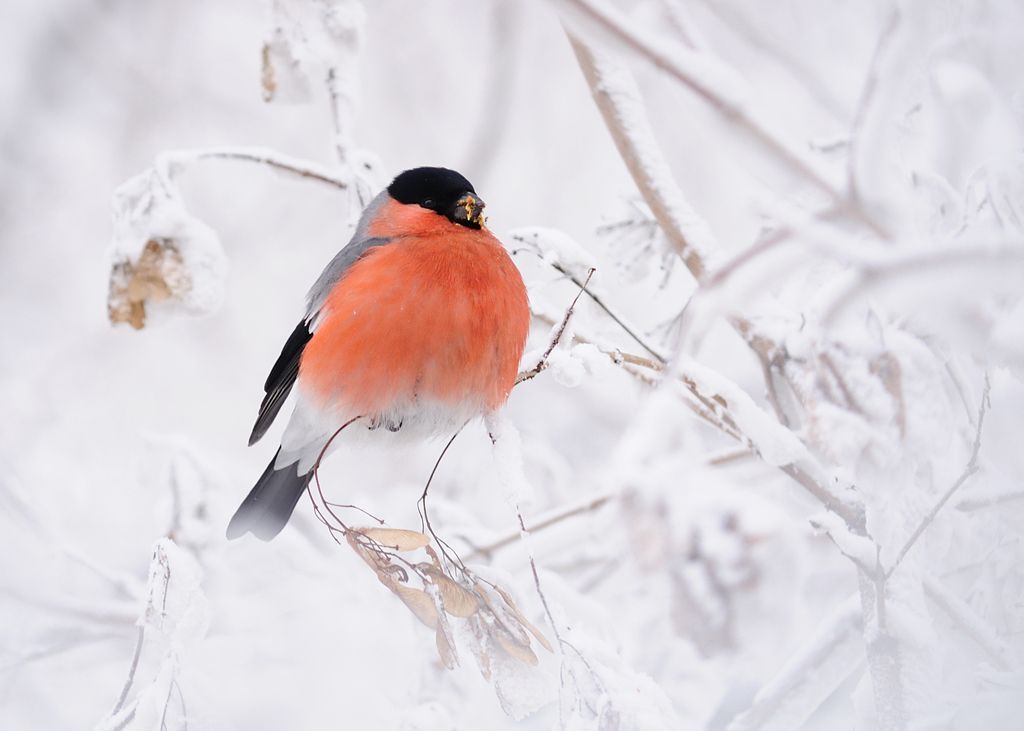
717	85
174	618
162	257
618	99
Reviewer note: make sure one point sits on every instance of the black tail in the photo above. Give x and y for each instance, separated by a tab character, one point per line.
269	505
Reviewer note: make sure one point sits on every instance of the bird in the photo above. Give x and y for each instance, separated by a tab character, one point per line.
416	326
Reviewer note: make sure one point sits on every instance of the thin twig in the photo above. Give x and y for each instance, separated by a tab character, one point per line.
260	155
421	507
867	98
556	336
969	470
588	505
597	300
131	671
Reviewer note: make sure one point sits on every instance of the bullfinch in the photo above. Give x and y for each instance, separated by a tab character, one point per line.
416	326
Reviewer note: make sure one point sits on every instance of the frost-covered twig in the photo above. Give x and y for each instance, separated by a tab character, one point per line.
867	98
748	26
567	257
969	470
556	336
715	408
132	668
883	652
1004	261
508	460
957	610
553	517
619	102
169	163
170	619
988	499
816	669
343	22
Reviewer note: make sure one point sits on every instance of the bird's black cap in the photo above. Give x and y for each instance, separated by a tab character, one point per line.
438	189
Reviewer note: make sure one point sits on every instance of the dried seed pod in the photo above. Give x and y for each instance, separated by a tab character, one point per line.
418	601
444	648
515	650
524	621
399	539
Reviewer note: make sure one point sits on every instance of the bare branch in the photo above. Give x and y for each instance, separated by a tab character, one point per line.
169	162
554	517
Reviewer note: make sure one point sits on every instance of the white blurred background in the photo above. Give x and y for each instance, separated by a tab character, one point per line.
707	589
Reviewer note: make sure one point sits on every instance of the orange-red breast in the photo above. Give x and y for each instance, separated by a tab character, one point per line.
416	326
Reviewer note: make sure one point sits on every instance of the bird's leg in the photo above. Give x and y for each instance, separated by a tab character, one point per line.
447	551
316	478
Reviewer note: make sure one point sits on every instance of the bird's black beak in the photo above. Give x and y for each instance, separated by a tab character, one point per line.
469	211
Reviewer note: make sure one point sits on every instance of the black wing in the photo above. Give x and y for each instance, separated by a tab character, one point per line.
281	379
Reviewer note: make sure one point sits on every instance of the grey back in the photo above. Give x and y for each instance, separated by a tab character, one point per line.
355	248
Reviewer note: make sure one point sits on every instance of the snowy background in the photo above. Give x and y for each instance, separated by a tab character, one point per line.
788	496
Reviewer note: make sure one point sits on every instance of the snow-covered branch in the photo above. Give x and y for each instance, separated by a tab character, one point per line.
715	84
618	99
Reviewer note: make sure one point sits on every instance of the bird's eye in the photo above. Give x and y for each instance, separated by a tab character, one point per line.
427	203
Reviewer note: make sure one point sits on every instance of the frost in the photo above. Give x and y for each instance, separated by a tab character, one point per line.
513	484
163	259
556	248
776	444
757	497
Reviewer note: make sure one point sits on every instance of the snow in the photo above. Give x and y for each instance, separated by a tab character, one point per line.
514	487
555	248
148	211
706	546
